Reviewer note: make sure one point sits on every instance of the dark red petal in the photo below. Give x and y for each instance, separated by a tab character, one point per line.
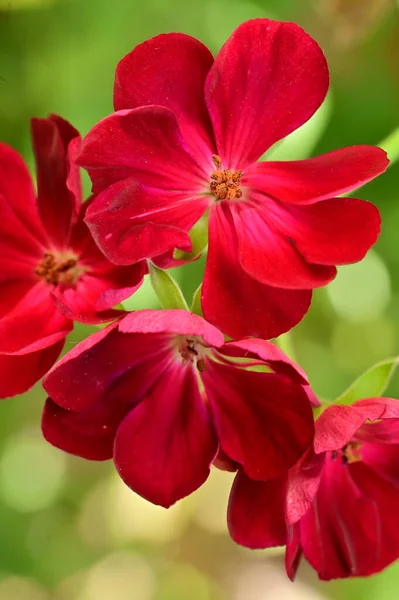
143	143
169	70
303	483
268	352
164	447
267	80
382	456
88	434
293	551
100	365
256	512
20	373
328	232
235	302
20	218
381	432
131	222
58	204
174	321
336	425
319	178
268	252
264	421
33	324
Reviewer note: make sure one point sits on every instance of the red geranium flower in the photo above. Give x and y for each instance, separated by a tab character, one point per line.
51	271
341	501
186	137
161	392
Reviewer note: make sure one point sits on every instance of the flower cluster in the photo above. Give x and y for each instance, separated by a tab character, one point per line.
178	170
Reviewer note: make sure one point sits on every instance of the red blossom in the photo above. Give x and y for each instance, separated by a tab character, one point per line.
51	270
341	499
186	137
163	394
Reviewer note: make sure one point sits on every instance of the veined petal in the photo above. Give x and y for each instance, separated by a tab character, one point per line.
256	512
319	178
264	421
58	205
237	303
164	447
131	222
20	373
169	70
267	80
269	255
143	143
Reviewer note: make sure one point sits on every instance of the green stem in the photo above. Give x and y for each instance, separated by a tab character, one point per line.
391	146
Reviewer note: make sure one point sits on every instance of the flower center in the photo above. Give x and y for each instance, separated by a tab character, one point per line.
61	268
350	453
225	184
190	353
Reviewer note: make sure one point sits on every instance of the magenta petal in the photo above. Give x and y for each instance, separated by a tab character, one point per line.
131	222
169	70
319	178
143	143
164	447
264	421
269	254
256	512
58	205
267	80
236	302
303	483
87	434
20	373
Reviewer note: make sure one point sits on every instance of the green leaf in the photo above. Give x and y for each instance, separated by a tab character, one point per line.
196	303
370	384
199	239
166	288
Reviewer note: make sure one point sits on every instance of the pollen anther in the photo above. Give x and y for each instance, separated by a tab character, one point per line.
225	184
55	270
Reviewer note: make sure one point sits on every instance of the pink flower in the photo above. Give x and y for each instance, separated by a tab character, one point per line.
185	139
341	500
51	270
161	392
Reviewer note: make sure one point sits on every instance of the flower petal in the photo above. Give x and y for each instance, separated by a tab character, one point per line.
131	222
267	80
58	205
293	552
319	178
164	447
169	70
234	301
256	512
20	373
143	143
263	420
33	324
269	254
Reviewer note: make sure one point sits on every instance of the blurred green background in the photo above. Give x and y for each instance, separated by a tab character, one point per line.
70	530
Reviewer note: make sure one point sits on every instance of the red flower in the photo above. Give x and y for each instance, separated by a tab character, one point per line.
186	137
341	502
51	270
160	391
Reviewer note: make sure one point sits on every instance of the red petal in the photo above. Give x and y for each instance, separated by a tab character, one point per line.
293	551
381	450
33	324
336	425
131	222
58	205
234	301
169	70
174	321
20	373
319	178
267	253
267	80
143	143
264	421
303	483
164	447
268	352
256	512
